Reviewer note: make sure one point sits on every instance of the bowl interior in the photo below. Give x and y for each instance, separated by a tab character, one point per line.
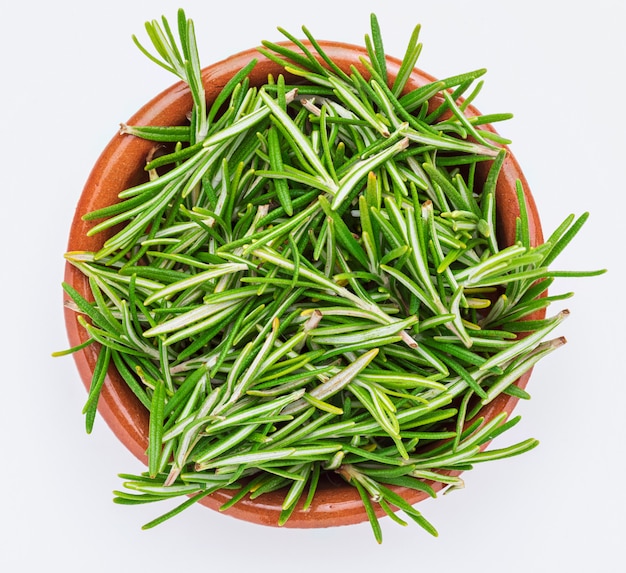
121	166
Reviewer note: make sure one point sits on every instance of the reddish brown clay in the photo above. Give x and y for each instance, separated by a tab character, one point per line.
121	166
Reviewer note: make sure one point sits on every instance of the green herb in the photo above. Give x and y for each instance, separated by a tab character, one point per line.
310	282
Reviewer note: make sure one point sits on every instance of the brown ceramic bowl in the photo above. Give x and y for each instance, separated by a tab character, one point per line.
121	166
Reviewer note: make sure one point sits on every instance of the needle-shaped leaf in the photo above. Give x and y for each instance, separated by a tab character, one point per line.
157	409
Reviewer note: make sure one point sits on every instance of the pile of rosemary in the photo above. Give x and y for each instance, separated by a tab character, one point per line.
310	282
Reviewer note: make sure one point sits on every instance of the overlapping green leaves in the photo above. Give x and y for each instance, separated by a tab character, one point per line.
310	281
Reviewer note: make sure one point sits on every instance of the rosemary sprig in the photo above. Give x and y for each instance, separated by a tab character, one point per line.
313	284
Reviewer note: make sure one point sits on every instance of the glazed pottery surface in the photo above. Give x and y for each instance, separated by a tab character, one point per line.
121	165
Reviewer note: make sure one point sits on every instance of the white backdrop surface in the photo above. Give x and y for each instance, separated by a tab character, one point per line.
70	75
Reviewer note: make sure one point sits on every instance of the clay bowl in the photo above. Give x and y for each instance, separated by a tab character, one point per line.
121	166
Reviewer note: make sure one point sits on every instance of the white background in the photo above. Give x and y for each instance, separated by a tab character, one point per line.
70	75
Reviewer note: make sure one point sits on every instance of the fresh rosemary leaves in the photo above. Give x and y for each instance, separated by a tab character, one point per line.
310	282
